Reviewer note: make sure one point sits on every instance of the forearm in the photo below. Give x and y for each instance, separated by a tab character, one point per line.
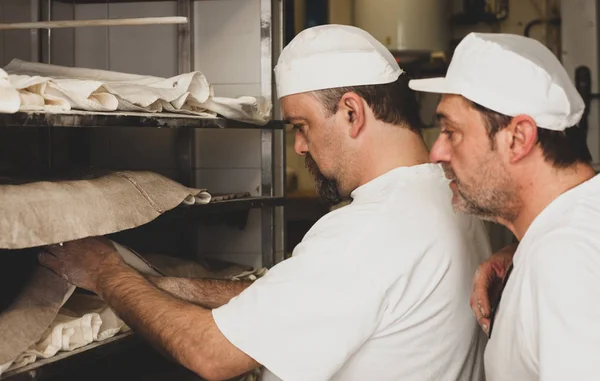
184	331
208	293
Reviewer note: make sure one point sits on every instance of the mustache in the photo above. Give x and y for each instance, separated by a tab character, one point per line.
449	173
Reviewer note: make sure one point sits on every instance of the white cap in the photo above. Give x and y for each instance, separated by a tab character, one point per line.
330	56
512	75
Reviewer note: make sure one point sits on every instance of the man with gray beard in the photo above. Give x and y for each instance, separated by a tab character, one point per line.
512	149
376	290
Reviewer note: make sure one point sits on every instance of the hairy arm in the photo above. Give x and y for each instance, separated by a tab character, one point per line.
208	293
186	332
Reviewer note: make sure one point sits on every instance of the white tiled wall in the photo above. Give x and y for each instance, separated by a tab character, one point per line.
63	52
14	43
230	161
150	50
233	244
232	56
228	149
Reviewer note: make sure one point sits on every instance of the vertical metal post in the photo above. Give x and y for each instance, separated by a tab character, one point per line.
186	137
185	35
35	11
279	136
267	146
44	49
186	149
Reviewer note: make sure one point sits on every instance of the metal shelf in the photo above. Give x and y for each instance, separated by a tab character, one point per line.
105	1
125	119
230	212
225	206
89	353
123	357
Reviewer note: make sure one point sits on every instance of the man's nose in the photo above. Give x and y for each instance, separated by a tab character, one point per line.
300	145
441	151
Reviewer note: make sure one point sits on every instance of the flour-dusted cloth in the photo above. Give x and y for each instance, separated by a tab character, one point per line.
83	319
31	330
137	90
65	88
23	323
9	96
43	213
245	109
200	268
62	94
135	260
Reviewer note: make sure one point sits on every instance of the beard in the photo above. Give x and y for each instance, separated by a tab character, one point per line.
491	197
327	189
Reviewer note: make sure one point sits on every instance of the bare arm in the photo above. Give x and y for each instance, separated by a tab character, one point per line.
186	332
208	293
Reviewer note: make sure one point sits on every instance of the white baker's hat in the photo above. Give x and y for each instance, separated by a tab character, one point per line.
512	75
330	56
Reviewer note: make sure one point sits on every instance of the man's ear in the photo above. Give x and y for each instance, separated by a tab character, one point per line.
352	107
521	137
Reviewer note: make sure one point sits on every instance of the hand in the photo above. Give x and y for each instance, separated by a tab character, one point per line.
82	262
487	283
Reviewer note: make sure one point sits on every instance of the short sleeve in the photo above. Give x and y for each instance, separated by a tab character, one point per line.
301	321
567	292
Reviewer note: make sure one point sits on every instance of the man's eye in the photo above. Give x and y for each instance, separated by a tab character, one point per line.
447	133
297	127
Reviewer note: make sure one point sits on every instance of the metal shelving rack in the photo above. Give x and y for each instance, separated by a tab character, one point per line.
124	120
271	34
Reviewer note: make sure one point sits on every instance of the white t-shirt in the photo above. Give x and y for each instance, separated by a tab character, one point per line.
548	322
376	290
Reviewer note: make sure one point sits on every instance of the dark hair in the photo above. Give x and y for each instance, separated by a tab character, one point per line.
561	148
393	103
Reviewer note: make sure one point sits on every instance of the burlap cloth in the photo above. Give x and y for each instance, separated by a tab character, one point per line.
43	213
24	321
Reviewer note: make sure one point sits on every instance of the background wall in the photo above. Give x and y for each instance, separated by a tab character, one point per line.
576	35
521	13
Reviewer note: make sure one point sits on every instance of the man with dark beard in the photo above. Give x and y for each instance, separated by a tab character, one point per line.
512	149
327	189
376	290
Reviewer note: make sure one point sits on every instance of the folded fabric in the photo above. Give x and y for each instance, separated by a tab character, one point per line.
200	198
84	319
25	320
65	88
62	94
140	90
136	261
36	326
245	109
9	97
43	213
